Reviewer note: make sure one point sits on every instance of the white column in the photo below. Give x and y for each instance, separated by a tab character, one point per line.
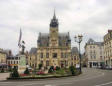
110	63
91	64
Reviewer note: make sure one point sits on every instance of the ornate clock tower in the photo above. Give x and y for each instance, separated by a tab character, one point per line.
54	48
54	32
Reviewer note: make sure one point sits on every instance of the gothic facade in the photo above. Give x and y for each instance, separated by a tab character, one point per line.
54	48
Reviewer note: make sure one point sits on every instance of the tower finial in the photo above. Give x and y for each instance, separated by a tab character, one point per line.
54	21
54	17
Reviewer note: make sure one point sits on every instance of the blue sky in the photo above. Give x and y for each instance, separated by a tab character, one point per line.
91	18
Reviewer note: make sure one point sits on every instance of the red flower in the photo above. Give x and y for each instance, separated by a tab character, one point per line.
23	74
40	72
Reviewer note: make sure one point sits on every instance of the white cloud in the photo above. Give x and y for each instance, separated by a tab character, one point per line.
92	18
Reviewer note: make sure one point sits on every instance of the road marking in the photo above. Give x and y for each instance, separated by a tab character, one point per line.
30	84
59	82
50	85
104	84
90	77
71	82
67	82
5	82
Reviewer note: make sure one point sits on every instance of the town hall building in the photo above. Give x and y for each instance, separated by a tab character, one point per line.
54	48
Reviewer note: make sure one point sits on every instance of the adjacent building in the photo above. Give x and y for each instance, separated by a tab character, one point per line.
94	53
75	60
2	59
32	58
108	48
54	48
84	60
13	61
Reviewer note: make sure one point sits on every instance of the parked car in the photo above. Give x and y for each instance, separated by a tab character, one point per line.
108	68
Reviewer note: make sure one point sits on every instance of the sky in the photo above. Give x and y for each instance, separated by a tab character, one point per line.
91	18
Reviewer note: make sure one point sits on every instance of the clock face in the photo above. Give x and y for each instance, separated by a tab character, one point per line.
53	31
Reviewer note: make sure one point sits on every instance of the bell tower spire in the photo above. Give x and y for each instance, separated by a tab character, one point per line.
54	31
54	17
54	21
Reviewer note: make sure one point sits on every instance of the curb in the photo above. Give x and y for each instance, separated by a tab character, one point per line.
39	78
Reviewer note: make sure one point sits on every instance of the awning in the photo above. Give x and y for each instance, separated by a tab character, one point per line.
13	64
3	64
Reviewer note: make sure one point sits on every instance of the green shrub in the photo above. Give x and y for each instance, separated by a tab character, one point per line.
57	68
40	66
10	69
26	71
2	70
51	69
60	71
15	73
72	70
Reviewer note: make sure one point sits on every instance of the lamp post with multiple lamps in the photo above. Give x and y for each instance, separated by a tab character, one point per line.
78	39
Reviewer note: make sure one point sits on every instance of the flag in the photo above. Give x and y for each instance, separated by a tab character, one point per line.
20	36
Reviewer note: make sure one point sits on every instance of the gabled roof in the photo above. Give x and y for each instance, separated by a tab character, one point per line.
33	51
74	50
2	51
90	41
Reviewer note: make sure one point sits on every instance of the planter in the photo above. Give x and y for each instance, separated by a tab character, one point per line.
40	77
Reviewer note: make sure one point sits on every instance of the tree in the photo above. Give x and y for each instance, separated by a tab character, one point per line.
10	69
2	70
15	73
26	71
40	66
57	68
72	70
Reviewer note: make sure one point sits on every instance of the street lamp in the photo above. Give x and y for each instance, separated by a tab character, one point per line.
78	39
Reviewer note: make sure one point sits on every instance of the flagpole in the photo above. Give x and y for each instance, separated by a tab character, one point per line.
19	41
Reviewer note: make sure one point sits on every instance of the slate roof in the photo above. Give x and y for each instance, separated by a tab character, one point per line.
43	39
91	41
2	51
74	50
54	21
100	43
13	57
33	51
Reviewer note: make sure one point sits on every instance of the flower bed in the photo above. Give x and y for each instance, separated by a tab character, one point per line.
52	73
